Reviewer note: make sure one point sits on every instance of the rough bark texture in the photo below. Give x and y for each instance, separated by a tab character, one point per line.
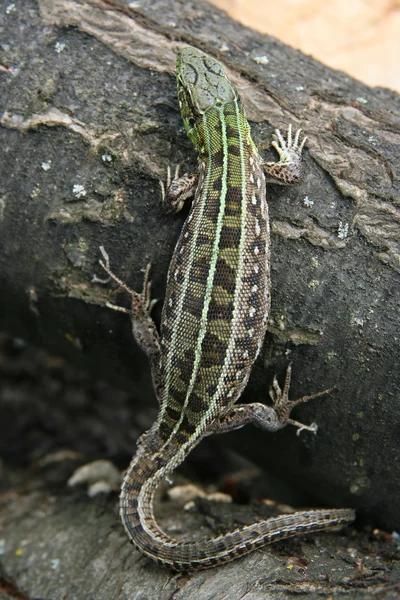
56	542
87	98
63	545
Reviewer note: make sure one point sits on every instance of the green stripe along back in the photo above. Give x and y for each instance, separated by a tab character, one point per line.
217	290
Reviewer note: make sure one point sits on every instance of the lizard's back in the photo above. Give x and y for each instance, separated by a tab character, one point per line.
217	298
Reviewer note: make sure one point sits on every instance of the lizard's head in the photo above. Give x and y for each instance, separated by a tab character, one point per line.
202	86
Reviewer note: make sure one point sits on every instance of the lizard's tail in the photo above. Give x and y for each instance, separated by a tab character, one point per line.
136	510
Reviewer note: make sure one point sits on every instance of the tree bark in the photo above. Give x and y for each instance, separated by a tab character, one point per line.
90	121
61	544
56	542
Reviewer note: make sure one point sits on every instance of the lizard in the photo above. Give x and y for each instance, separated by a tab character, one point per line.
214	318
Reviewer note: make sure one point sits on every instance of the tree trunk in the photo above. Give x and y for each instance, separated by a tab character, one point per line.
90	121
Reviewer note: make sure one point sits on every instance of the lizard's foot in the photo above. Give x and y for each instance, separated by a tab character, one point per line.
141	304
288	169
289	150
165	186
143	327
283	406
175	191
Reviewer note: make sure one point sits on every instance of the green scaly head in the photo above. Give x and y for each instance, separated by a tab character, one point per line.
202	86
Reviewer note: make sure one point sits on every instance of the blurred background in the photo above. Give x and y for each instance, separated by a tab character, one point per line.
360	37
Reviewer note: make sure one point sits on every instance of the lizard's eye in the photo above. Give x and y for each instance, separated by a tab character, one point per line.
191	122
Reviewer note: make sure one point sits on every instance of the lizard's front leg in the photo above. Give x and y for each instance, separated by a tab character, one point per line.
177	190
288	169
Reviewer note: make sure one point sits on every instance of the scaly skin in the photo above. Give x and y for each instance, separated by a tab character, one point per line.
213	320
